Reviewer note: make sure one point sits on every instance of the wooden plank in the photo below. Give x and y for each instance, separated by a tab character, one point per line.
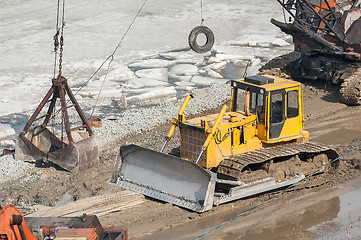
98	205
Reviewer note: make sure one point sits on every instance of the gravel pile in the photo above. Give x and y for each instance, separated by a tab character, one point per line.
138	120
9	167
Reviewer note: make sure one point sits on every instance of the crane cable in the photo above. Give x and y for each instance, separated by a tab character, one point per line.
111	57
62	39
56	47
56	37
279	193
202	19
59	32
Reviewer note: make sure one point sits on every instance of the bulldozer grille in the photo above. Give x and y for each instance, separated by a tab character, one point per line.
191	141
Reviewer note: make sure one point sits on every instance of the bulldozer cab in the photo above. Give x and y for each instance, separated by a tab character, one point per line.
276	103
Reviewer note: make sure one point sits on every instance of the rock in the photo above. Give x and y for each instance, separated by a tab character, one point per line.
122	104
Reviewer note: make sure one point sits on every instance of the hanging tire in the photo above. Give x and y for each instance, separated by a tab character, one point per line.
192	39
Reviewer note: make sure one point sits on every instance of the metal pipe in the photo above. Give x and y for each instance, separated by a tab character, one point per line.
65	116
214	128
323	20
77	108
212	132
38	109
199	156
165	143
175	121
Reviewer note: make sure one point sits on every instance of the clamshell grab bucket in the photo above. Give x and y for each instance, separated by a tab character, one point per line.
40	143
164	177
76	149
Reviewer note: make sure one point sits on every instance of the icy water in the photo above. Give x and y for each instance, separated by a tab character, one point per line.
157	41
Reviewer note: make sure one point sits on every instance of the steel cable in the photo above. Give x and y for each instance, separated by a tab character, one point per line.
111	57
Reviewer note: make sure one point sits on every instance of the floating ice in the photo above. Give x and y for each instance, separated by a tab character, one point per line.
212	73
26	77
154	93
98	83
144	82
179	78
152	63
160	74
120	73
185	57
241	42
6	130
253	69
105	93
228	57
217	66
8	143
185	86
278	42
256	61
184	69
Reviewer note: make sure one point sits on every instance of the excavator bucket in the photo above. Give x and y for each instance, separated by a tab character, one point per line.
76	149
164	177
40	143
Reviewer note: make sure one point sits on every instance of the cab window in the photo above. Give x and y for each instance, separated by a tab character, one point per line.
277	107
292	104
257	104
261	108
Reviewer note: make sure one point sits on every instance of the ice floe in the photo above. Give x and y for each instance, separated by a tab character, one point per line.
160	74
152	63
154	93
179	78
278	42
6	130
144	82
184	69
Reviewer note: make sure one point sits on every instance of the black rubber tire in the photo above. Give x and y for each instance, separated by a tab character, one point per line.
192	39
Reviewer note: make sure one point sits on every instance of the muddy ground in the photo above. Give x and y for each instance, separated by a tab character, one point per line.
327	120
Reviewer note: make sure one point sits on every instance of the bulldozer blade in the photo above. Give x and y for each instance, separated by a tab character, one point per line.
164	177
40	143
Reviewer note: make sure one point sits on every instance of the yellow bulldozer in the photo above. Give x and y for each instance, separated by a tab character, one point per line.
256	147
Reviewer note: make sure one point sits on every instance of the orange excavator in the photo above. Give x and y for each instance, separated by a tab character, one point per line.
327	43
13	226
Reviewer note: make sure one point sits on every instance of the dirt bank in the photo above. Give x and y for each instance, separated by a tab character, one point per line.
327	120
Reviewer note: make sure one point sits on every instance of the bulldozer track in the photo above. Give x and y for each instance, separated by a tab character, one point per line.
232	167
